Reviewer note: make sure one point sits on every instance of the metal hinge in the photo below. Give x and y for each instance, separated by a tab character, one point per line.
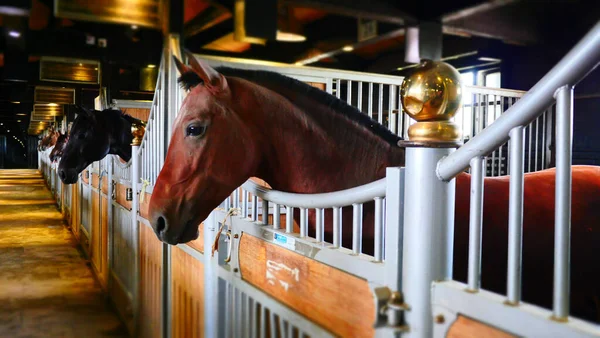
389	308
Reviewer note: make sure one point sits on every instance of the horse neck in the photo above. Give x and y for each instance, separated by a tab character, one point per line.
119	135
310	148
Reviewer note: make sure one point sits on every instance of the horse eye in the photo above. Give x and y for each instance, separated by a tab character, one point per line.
81	136
195	130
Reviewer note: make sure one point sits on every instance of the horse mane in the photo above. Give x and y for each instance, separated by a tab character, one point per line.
275	80
123	115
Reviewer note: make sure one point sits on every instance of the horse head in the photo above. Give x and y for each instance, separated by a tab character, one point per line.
196	167
88	142
59	147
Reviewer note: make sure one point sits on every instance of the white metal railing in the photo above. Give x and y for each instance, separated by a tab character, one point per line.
557	85
152	149
319	203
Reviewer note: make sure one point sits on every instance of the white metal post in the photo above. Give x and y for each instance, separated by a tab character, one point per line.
135	178
428	235
562	215
211	279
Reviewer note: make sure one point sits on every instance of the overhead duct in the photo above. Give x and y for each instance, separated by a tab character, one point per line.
69	70
56	95
145	13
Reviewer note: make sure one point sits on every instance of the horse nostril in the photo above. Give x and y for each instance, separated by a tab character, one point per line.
61	174
161	226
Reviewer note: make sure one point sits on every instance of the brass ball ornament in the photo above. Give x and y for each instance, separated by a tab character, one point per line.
432	94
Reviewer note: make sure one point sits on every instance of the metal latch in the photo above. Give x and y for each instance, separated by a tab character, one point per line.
389	308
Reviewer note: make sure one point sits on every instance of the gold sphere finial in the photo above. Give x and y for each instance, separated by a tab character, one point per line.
137	131
431	95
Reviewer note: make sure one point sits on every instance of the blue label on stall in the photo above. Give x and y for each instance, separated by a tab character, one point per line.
284	241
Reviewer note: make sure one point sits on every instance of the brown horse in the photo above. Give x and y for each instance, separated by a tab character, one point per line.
236	124
49	140
59	147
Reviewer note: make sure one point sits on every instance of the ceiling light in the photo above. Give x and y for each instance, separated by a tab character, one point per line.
14	34
134	27
289	37
15	102
151	66
52	105
18	120
348	48
21	114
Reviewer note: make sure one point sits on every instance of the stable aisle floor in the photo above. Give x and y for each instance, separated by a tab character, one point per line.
46	288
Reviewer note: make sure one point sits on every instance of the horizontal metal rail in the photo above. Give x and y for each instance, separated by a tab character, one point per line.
581	60
361	194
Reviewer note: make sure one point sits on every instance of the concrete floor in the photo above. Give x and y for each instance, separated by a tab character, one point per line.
46	288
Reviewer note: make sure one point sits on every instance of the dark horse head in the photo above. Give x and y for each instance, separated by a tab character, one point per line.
59	147
94	135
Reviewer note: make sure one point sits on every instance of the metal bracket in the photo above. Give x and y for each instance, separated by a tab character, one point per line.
389	309
113	188
129	194
87	174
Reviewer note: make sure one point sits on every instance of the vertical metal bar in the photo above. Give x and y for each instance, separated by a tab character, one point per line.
428	247
378	229
273	323
349	93
254	208
263	321
276	216
338	88
265	212
329	85
529	147
303	223
515	215
359	96
337	231
228	309
236	196
562	211
370	101
391	106
356	229
537	129
319	235
289	219
135	178
211	279
494	152
544	140
475	222
244	203
380	104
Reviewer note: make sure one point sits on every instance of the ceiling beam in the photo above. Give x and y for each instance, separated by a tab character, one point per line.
490	20
477	9
372	9
344	49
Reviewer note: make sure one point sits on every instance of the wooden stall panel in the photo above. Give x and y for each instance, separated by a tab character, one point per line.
105	185
95	180
96	240
338	301
187	295
104	241
144	203
121	196
197	244
465	327
150	286
75	196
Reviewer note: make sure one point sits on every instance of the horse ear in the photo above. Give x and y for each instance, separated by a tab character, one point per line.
208	74
180	66
85	112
